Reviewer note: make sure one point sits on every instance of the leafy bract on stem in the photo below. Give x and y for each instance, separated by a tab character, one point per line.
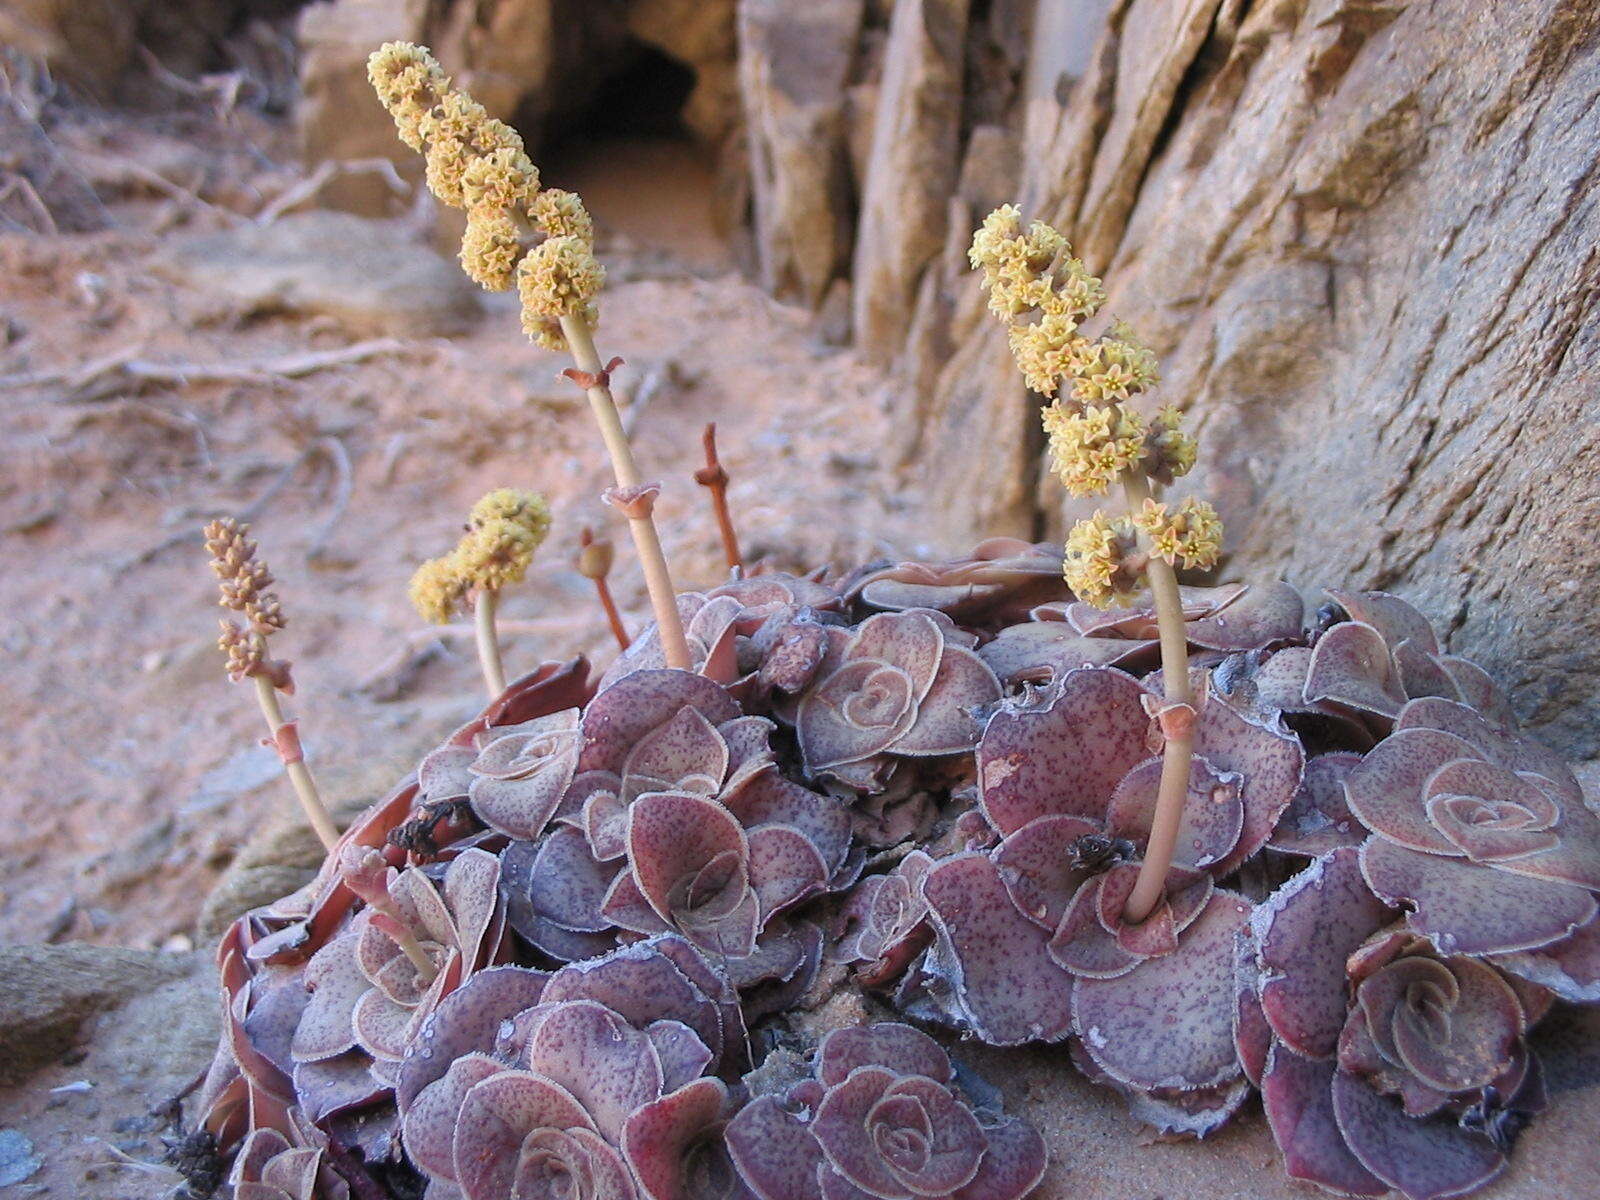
541	242
1099	441
245	584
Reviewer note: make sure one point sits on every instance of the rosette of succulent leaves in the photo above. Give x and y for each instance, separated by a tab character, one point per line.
1184	840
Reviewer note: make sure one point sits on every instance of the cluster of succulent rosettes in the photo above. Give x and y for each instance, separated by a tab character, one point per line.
1384	1062
883	1115
541	242
503	531
245	584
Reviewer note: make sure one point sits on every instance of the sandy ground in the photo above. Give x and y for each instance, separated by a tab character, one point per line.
133	772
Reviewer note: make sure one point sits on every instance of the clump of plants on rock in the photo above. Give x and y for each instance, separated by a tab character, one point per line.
1192	843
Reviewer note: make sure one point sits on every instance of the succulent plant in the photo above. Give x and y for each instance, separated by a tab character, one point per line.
1404	1068
1191	846
882	1117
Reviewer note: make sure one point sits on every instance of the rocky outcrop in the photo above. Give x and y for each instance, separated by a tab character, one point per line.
911	167
1361	237
794	64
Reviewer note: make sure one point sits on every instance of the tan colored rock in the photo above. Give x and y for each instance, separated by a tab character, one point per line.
87	42
48	992
338	117
367	275
1361	240
912	167
794	63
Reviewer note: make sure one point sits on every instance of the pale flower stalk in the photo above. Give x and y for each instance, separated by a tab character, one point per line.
1098	441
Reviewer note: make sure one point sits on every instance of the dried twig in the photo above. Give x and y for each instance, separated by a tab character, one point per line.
20	185
344	485
325	173
123	366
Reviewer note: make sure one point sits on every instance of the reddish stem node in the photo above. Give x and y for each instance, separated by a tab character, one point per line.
714	478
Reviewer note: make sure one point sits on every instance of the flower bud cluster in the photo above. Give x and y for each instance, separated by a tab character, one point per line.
541	242
503	531
244	583
1096	437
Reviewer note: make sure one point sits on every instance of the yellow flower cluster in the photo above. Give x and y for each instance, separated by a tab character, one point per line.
1191	533
503	531
478	163
1044	295
1169	451
1091	448
1102	564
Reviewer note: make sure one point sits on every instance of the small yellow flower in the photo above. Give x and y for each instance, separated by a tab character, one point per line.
410	83
524	508
495	553
559	278
562	214
1092	448
1045	351
490	249
504	178
1191	534
438	588
1113	368
1102	564
1169	451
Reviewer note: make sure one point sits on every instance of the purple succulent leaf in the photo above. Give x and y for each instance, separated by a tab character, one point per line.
497	1114
605	825
683	1053
892	1045
620	716
1478	690
335	981
1169	1022
898	1136
465	1022
276	1000
1036	864
672	838
1193	1113
1464	908
429	1125
1303	934
855	713
1083	946
1252	1035
1423	1160
785	868
471	892
515	751
1041	651
749	742
554	1164
446	772
1421	673
660	979
1004	981
604	1063
774	1151
1319	819
626	906
1064	754
332	1085
945	724
657	1137
1297	1094
769	798
683	754
567	885
1351	665
1139	621
1395	619
1385	790
1213	811
1570	968
714	985
1498	745
1270	762
1012	1166
911	640
1263	614
782	966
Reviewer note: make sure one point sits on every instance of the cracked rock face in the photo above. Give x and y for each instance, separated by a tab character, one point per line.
1361	240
